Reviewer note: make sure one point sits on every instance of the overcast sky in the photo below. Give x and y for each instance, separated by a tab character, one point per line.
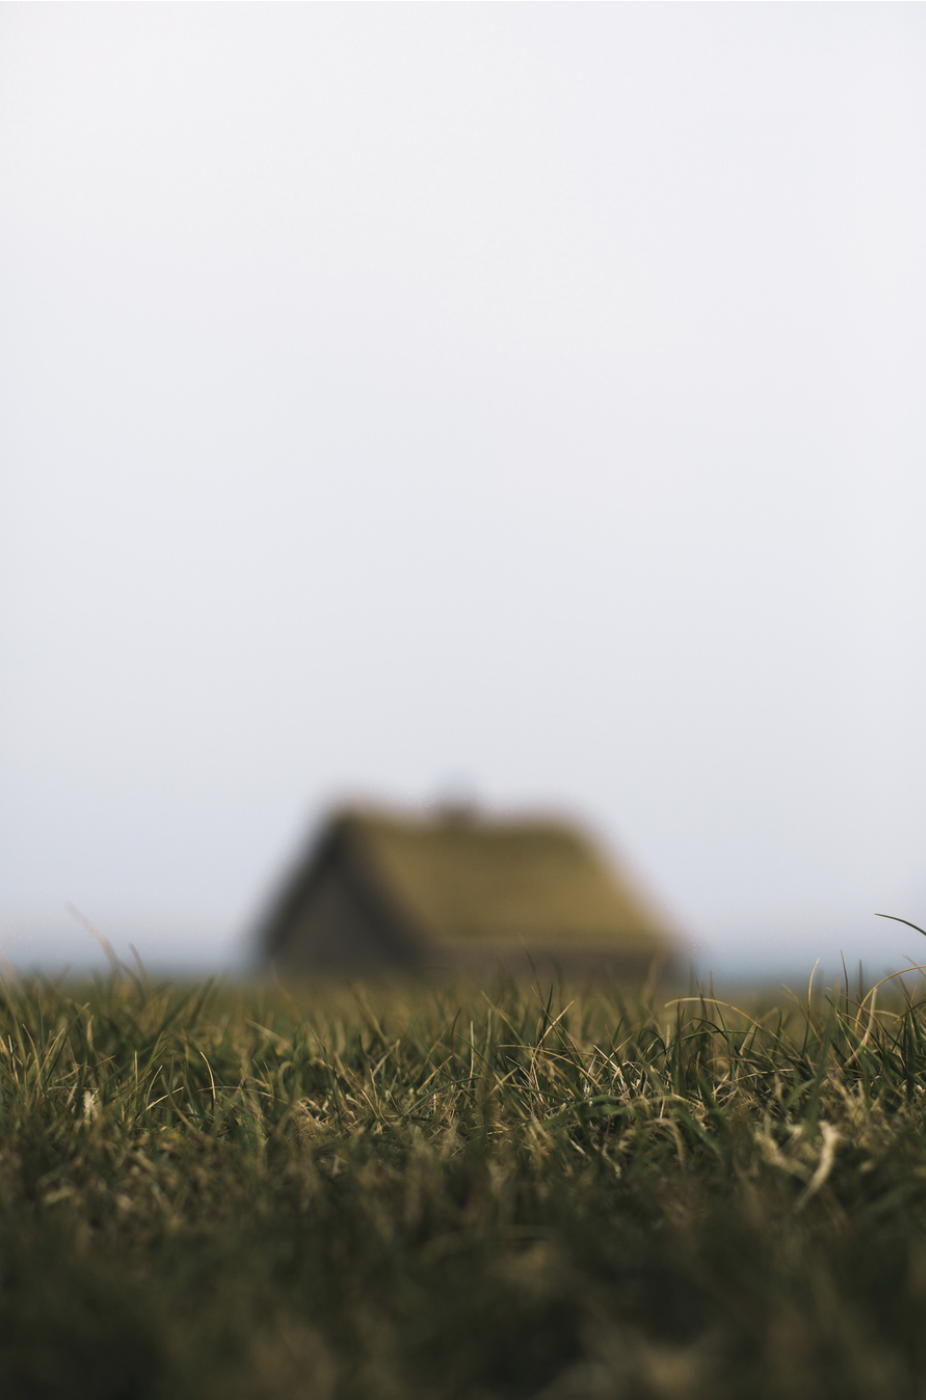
520	400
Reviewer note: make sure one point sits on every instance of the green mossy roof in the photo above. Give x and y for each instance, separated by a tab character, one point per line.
464	879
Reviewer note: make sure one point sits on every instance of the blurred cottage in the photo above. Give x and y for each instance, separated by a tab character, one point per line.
461	892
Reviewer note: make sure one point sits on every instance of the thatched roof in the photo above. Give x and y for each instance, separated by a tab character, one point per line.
465	883
463	879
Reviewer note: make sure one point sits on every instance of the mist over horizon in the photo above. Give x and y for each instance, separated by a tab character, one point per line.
522	400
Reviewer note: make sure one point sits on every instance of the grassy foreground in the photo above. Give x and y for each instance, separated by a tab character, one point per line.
455	1194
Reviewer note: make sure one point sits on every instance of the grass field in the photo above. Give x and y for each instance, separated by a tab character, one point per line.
449	1193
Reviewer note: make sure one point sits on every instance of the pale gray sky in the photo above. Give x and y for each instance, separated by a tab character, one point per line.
523	397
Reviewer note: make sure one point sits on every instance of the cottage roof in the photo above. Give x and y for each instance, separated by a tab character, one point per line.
465	879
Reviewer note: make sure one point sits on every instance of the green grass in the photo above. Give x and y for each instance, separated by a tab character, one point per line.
445	1193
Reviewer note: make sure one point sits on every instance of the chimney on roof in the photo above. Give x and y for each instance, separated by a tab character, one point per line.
457	803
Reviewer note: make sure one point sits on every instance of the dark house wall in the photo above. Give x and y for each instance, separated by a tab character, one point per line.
339	922
328	930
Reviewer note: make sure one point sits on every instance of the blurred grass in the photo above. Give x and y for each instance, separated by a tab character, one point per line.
450	1193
